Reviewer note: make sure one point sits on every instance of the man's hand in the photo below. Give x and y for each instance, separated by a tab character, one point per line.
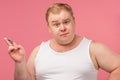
16	52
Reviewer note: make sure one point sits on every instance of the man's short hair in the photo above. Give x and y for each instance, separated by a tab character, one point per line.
57	7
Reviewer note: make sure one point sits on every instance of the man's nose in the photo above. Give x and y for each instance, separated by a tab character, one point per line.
62	28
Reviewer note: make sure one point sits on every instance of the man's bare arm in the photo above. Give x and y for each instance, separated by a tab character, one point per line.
30	63
106	59
17	53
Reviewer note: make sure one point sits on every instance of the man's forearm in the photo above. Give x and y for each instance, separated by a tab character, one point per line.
115	75
20	71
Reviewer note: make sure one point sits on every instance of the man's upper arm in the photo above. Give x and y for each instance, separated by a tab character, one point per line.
30	63
107	59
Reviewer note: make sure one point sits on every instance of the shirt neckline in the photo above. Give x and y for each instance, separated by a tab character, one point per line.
66	52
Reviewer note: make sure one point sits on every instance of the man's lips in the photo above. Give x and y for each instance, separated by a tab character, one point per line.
63	34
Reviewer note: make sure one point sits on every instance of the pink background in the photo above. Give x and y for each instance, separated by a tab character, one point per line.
24	22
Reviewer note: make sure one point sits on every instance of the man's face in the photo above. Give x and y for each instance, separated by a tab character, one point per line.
61	26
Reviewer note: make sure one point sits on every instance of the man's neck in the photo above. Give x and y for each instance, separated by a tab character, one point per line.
62	48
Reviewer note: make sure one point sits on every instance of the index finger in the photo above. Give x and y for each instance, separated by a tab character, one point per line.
8	41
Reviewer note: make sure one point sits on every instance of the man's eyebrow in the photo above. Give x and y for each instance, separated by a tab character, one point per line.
67	19
54	21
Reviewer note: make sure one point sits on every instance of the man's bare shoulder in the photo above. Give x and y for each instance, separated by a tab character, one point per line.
36	49
105	56
33	53
98	47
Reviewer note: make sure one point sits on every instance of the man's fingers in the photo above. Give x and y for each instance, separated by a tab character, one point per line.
8	41
12	49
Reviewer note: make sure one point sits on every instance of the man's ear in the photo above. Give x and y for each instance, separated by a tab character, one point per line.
74	18
49	29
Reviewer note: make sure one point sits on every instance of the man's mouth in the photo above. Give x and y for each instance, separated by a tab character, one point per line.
64	34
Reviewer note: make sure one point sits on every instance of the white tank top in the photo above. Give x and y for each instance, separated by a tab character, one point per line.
75	64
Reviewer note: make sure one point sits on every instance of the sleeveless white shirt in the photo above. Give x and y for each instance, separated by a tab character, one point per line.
74	64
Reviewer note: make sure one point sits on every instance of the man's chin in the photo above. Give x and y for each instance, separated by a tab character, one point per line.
65	42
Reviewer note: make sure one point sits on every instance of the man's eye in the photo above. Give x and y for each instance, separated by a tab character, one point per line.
57	24
66	22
